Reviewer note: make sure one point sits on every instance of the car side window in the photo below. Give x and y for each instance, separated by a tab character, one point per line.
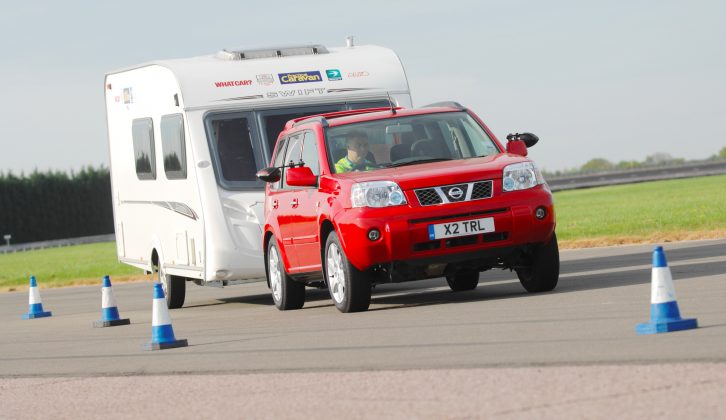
293	154
310	152
278	161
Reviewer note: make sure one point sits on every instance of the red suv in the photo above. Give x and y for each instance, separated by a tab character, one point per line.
382	195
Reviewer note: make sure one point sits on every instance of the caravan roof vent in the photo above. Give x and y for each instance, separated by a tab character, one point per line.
272	52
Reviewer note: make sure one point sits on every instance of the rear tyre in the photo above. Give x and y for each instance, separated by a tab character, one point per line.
463	280
175	287
286	292
349	288
544	271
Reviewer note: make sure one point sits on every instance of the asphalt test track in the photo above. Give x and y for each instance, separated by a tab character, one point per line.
589	319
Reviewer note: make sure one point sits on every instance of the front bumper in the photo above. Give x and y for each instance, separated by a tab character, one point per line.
404	248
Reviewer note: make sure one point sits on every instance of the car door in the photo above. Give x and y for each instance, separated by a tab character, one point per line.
306	230
283	204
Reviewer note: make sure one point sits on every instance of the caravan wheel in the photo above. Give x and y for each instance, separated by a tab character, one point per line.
174	287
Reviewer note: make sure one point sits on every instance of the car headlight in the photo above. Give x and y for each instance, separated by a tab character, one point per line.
521	176
377	194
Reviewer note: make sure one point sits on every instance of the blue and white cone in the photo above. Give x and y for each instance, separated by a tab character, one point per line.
162	334
109	309
35	305
664	313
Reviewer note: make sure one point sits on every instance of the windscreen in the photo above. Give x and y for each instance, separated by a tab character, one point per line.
406	140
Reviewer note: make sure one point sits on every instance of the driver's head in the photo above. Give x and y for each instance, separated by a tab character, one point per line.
357	145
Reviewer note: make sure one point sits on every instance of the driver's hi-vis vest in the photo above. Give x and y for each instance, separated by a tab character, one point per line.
344	165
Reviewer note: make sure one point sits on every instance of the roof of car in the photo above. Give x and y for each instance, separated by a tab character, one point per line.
333	119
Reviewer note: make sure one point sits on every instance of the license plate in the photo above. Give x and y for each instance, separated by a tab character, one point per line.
462	228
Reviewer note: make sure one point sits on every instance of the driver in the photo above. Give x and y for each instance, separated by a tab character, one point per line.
356	159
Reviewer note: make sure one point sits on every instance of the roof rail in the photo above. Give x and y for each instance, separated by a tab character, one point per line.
272	52
304	120
447	104
338	114
323	118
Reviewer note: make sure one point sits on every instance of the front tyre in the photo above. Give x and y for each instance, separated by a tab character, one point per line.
286	292
463	280
544	271
175	287
349	288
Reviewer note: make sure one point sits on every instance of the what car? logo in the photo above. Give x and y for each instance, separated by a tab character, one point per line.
233	83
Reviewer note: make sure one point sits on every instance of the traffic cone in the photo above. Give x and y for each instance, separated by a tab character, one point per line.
109	310
35	305
162	334
664	313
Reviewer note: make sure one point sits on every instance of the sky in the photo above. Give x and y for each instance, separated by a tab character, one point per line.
618	80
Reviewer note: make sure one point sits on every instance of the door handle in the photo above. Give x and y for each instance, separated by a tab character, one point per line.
294	202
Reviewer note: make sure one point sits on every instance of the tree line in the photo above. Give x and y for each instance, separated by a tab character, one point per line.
55	205
604	165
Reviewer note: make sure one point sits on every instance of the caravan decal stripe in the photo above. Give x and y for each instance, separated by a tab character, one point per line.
180	208
241	98
347	89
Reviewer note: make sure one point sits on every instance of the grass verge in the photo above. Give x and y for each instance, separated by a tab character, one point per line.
661	211
66	266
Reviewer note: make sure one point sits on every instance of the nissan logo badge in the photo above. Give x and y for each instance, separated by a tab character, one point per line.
456	193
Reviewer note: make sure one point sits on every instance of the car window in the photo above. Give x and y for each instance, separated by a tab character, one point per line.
278	161
293	154
310	152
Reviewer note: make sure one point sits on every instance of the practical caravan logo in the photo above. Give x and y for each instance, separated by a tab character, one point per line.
232	83
300	77
333	74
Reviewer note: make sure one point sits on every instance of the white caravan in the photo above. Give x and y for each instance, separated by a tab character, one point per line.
187	136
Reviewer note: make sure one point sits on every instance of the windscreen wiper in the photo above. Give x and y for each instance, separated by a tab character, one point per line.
413	162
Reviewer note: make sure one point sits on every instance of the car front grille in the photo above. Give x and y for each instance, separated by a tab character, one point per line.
454	193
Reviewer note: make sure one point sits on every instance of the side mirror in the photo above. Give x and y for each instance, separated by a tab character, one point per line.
271	174
529	139
301	176
517	147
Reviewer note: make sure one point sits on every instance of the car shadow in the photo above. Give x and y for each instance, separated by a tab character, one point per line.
503	284
513	290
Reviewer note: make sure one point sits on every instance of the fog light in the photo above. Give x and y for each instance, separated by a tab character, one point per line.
540	213
374	234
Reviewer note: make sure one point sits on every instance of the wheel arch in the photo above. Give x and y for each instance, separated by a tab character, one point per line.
265	244
326	227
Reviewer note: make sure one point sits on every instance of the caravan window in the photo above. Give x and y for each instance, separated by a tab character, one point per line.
172	146
233	150
142	133
273	122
